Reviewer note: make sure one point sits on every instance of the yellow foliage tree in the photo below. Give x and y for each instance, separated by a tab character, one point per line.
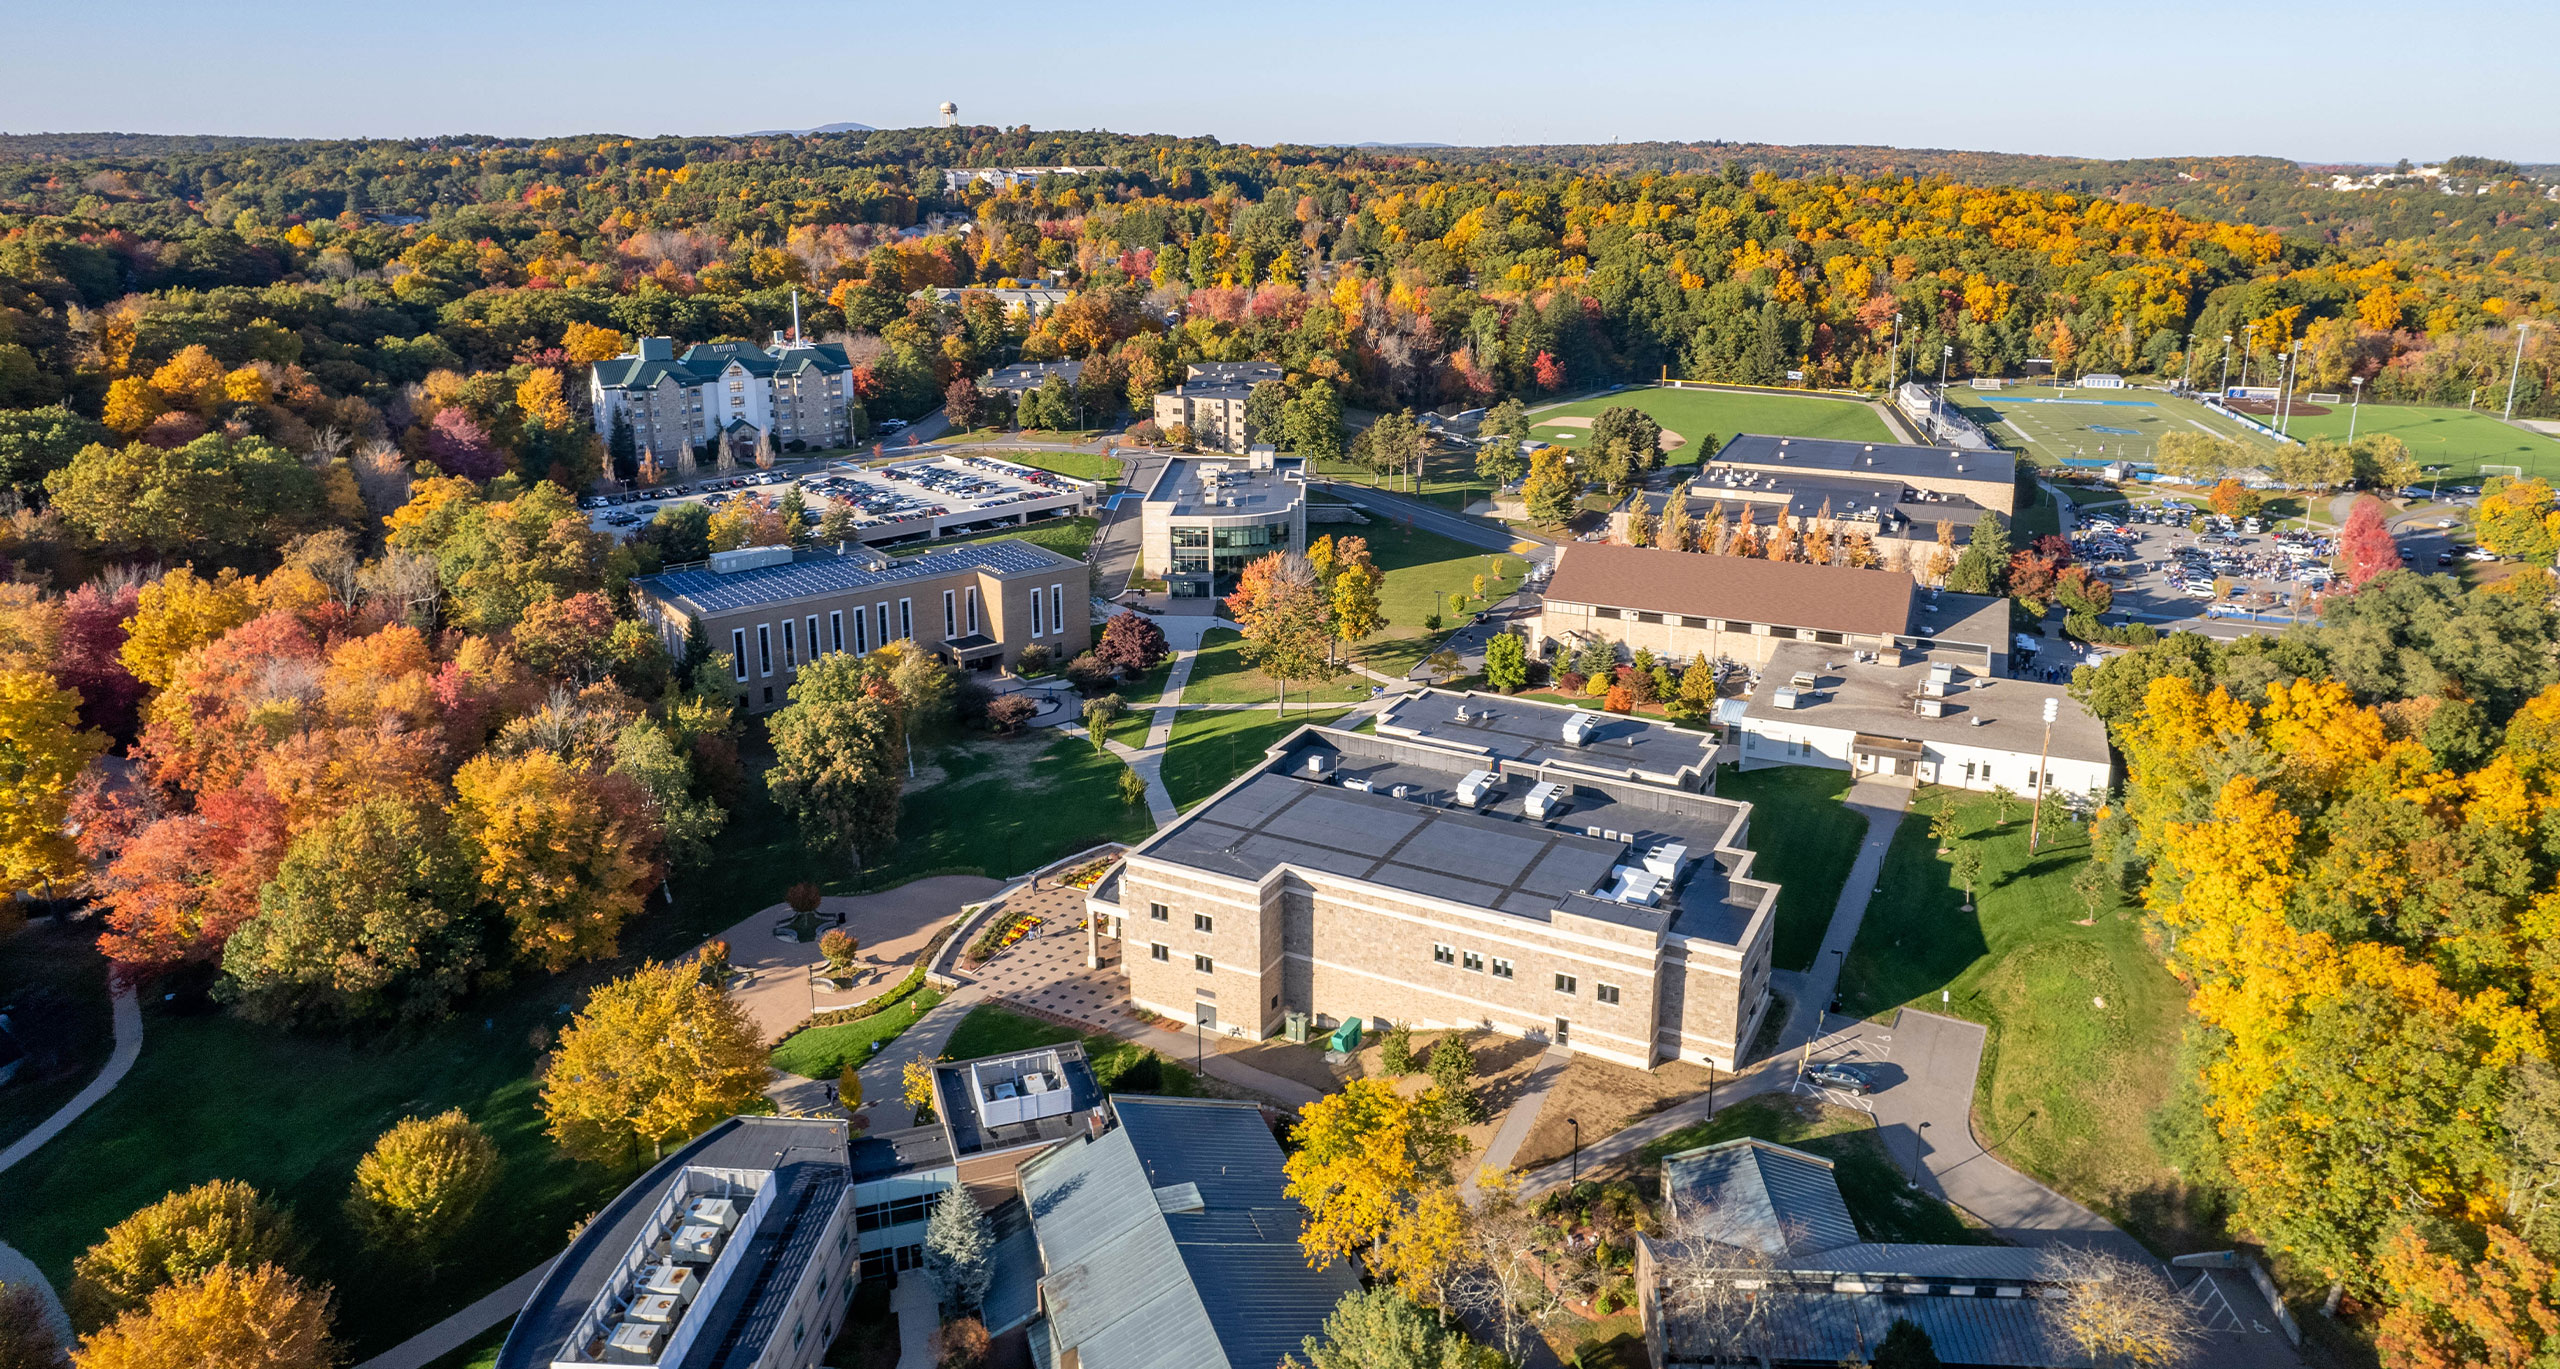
749	523
247	385
654	1057
132	404
419	1185
43	749
540	400
1367	1158
229	1318
586	343
192	379
181	1237
178	613
564	862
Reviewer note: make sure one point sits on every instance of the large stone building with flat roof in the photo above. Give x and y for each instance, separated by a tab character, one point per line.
1479	862
1685	605
1205	518
1914	714
1986	478
773	610
1902	523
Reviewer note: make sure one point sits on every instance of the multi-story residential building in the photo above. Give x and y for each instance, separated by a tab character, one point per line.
1206	518
1245	373
1987	478
1479	862
1684	605
1914	714
1213	413
801	393
1032	300
773	610
738	1250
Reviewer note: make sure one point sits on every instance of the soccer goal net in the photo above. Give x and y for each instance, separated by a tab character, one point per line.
2510	472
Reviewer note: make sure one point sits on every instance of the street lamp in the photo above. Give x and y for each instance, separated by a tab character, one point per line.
2514	368
2284	374
1919	1141
2035	823
2354	406
2186	381
1576	1124
2226	367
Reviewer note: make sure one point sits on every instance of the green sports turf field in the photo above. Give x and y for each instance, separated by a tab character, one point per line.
1697	415
2455	438
2047	425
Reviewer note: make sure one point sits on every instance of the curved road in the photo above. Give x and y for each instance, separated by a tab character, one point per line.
15	1268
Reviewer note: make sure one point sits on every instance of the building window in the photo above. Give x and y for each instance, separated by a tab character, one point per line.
895	1212
1606	993
1203	964
1565	983
1159	912
764	650
1058	608
790	647
1687	621
972	595
738	652
906	619
1160	951
1501	968
1474	962
1730	625
1829	638
861	633
950	615
1202	922
1035	615
1445	955
835	629
880	614
1645	617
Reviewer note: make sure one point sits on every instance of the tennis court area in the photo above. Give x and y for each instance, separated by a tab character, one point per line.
1697	415
2047	425
2456	438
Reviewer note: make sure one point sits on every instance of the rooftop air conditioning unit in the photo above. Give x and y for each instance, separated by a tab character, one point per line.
1476	788
1319	766
749	558
1580	726
1785	698
1665	860
1462	713
1934	689
1545	800
1401	791
1932	706
1361	785
1803	680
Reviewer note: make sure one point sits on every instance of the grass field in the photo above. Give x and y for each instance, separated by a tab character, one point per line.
54	982
1220	676
1209	749
1006	806
2084	1020
1423	569
2455	438
823	1052
1081	465
2040	422
1806	841
1706	418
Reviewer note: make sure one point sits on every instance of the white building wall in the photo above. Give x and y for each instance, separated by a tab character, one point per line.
1780	741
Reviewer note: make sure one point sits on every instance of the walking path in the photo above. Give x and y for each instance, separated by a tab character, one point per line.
1522	1116
462	1327
1882	801
16	1270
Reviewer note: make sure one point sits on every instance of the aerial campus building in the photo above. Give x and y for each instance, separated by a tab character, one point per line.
734	392
1211	401
1206	518
773	610
1478	862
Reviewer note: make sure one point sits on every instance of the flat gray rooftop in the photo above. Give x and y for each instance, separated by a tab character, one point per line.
807	574
1518	729
969	1131
1870	697
1886	460
1495	857
1242	491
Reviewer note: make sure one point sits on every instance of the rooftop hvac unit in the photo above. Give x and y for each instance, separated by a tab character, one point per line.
1462	713
1476	788
1803	680
748	558
1630	884
638	1338
1319	766
1665	860
1942	672
1401	791
1360	784
1546	799
1580	726
1934	689
1932	707
1786	698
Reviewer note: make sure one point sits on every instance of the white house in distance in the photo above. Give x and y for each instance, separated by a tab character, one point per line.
1907	713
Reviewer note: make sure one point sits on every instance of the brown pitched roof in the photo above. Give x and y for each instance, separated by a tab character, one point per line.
1787	593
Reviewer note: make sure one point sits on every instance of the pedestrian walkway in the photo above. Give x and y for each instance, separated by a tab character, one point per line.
1882	801
462	1327
1521	1118
919	1316
16	1270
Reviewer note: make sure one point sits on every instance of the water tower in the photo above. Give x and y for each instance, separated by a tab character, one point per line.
950	115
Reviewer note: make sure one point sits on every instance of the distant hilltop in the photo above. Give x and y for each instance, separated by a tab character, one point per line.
805	132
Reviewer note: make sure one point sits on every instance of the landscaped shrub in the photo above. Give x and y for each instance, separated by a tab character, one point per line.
1035	660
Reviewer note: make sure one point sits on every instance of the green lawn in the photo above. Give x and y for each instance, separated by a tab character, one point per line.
1119	1066
999	436
213	1097
1209	749
1806	840
1422	570
1883	1204
2084	1020
55	983
1070	537
1081	465
823	1052
1005	806
1221	676
2457	438
1706	419
480	1352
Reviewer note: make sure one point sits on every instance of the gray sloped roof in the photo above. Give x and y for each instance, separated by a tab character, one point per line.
1132	1286
1819	1327
1760	1196
1992	1262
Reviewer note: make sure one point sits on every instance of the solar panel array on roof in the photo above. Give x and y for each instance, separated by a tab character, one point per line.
714	592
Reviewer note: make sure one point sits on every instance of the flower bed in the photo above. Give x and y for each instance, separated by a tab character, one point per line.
897	993
1000	935
1089	874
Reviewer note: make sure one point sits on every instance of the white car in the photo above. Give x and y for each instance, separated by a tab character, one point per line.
2199	589
2479	554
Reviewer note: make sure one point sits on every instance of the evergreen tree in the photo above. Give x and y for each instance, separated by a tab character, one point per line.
1905	1346
1984	566
624	450
1453	1069
959	1250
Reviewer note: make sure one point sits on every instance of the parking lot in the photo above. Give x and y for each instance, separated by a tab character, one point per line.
929	497
2164	573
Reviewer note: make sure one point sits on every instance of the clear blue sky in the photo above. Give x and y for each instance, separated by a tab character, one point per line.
2350	81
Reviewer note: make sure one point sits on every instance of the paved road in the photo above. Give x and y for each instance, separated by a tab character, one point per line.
16	1270
1475	532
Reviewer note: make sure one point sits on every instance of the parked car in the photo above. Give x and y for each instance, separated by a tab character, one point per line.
1842	1075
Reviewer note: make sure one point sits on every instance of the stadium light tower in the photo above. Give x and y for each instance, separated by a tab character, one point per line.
2354	407
2514	368
1893	367
2226	365
2187	381
1946	353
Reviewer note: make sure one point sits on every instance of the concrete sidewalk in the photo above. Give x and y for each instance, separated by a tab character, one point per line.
458	1330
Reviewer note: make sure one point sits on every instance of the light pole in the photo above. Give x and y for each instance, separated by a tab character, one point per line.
1893	366
1946	353
2225	391
1919	1142
1576	1124
2514	368
2187	380
2284	370
2035	823
2354	406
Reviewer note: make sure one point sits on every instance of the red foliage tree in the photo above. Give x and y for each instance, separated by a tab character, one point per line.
460	446
2367	543
202	737
93	619
1131	643
1547	372
184	883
